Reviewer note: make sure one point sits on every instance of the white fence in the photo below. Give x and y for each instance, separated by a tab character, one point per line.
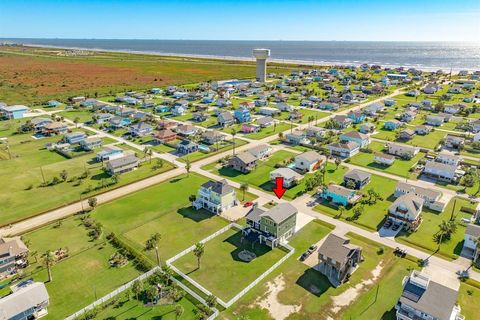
128	285
111	294
227	304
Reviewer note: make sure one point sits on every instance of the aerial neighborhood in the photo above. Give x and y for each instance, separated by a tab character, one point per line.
315	193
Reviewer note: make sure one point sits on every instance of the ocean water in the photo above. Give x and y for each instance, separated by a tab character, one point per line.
427	55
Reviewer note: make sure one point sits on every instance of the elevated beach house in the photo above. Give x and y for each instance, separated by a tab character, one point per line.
271	227
215	196
338	258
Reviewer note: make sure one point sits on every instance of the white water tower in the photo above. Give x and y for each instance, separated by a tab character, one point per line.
261	55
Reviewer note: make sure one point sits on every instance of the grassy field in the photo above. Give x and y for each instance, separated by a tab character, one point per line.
373	215
423	238
399	167
162	208
429	141
81	277
34	75
269	131
31	164
468	298
221	270
312	294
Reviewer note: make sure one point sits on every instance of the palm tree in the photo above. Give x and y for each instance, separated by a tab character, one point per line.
244	188
34	254
188	166
178	311
337	163
444	230
49	260
137	288
152	243
234	133
198	252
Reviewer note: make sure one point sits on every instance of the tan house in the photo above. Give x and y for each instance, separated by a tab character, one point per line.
406	211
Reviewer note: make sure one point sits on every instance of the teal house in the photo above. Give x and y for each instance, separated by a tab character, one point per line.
340	195
392	124
242	114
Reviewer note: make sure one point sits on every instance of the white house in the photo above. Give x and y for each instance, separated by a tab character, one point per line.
309	161
440	171
431	197
290	177
471	244
405	210
402	150
383	158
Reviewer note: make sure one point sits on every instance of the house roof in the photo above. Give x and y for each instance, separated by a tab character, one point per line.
384	155
246	157
287	173
310	156
337	248
13	245
141	125
14	108
357	175
123	161
355	135
412	202
336	189
473	230
280	212
24	299
440	166
39	120
259	149
433	298
211	134
226	116
264	120
165	133
349	145
255	214
221	187
430	193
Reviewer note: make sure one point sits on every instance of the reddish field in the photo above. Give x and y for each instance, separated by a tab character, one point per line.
33	75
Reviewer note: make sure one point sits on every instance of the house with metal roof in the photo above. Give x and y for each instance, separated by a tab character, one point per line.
309	161
29	301
122	164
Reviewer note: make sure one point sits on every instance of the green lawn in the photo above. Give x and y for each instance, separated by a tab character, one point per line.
429	141
85	274
82	115
423	238
468	298
224	146
221	271
399	167
312	294
373	215
132	309
162	208
31	163
269	131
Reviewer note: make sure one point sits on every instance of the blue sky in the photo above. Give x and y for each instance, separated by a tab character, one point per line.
414	20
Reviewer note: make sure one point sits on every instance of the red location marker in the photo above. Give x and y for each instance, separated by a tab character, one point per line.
279	189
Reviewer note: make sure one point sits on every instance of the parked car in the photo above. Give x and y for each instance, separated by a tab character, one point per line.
248	204
312	249
304	256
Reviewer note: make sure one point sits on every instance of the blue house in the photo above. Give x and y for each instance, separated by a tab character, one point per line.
53	103
359	138
392	124
356	116
13	112
339	195
162	109
242	114
389	102
328	106
119	122
208	99
155	90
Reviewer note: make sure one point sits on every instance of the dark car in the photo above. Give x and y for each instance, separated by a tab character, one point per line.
304	256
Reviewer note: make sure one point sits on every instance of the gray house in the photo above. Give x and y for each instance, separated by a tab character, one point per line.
29	301
424	299
338	259
13	254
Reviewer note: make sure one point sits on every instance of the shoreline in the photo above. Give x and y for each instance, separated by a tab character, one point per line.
313	63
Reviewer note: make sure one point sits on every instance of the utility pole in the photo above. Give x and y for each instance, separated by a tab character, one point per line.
158	259
43	176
